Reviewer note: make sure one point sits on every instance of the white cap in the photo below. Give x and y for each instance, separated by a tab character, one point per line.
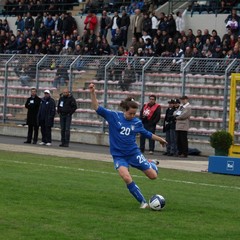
142	60
47	91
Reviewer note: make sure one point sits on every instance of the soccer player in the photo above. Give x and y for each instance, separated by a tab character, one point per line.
123	128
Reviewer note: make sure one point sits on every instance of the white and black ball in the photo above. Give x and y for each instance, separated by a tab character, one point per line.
157	202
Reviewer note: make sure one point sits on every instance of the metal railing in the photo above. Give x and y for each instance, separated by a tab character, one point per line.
205	80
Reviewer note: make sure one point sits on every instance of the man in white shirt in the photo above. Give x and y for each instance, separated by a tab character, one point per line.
155	23
180	21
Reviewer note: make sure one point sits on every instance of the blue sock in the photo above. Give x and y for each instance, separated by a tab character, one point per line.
135	191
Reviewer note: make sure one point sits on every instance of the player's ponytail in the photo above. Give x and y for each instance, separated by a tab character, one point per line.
129	102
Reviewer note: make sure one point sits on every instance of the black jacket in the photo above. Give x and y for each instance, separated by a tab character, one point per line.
47	112
169	120
32	104
66	105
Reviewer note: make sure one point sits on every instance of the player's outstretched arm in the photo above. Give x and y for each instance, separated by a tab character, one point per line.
162	141
93	96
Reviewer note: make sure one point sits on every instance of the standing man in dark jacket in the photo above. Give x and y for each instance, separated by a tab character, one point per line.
169	126
125	22
32	104
150	115
105	23
46	116
66	107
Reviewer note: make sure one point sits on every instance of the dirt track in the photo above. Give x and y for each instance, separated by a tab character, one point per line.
100	153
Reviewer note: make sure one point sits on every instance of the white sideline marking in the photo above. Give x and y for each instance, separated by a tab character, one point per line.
201	184
114	173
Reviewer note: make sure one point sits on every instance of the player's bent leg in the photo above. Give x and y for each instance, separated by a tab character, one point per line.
151	173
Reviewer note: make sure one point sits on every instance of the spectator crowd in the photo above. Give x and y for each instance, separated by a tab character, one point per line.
153	34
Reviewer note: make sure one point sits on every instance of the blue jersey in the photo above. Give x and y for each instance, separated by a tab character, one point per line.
122	132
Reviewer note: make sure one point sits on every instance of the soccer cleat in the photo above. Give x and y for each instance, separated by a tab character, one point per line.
48	144
153	161
144	205
151	152
42	143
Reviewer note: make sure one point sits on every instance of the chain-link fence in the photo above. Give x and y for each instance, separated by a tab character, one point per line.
205	81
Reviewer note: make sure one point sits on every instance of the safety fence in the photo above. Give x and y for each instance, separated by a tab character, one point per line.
204	80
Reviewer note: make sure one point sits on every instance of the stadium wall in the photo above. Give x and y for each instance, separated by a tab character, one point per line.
95	138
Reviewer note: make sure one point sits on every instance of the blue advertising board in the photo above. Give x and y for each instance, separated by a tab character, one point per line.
224	165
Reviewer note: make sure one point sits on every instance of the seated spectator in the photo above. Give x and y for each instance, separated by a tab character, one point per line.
233	25
235	52
106	50
148	44
232	15
67	42
29	48
216	37
196	53
139	52
227	5
199	6
11	47
128	77
156	47
116	70
206	46
146	36
198	44
190	37
178	56
116	41
21	46
22	8
205	36
133	6
169	48
26	73
5	26
212	44
140	5
217	53
61	77
188	52
140	65
90	5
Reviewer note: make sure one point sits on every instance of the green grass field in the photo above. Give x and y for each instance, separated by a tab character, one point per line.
44	197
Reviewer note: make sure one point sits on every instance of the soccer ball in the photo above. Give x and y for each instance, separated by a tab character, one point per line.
157	202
